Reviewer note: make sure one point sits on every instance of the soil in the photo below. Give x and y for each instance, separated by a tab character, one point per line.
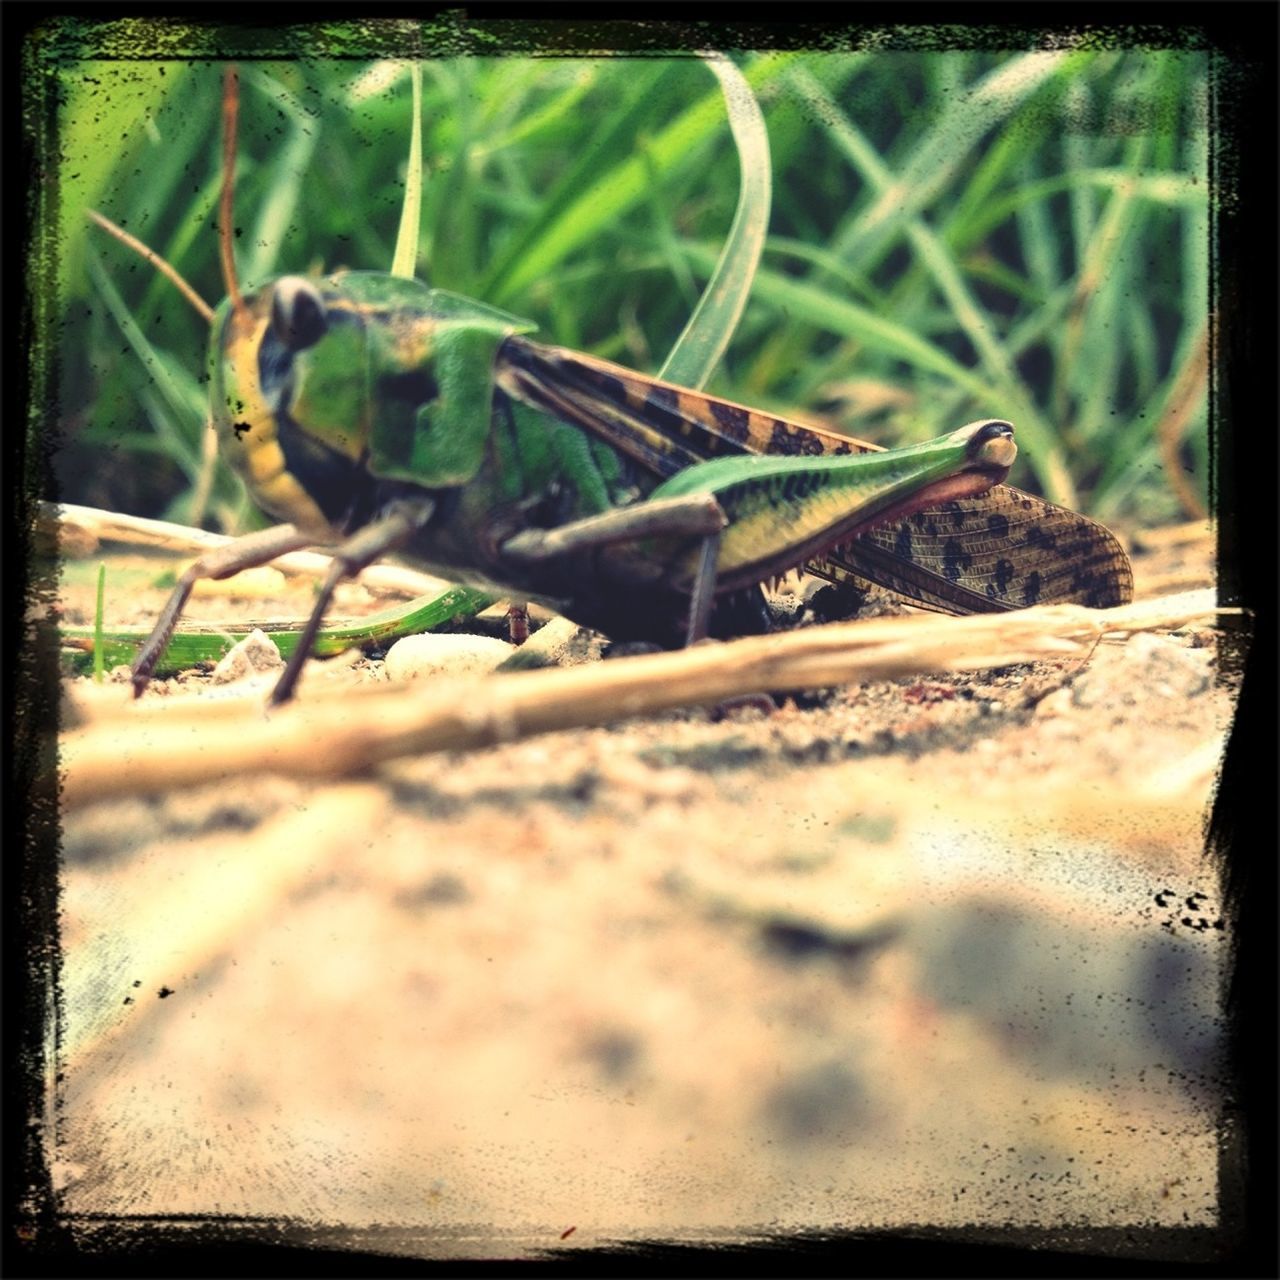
942	950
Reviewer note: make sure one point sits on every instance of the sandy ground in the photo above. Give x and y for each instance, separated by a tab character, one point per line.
934	951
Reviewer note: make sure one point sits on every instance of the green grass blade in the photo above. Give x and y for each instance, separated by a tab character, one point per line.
970	317
97	622
544	118
652	85
196	643
89	156
150	357
801	301
666	243
405	260
1076	152
846	319
927	168
1076	375
935	160
852	280
287	173
624	185
1174	189
700	345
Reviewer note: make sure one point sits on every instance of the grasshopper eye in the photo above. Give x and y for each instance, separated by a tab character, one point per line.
992	444
297	313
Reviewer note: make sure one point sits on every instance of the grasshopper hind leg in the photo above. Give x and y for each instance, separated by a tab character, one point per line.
687	516
704	590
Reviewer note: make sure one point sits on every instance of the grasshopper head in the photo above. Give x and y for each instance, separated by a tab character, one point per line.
322	388
289	397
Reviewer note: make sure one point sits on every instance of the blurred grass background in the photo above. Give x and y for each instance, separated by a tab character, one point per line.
954	234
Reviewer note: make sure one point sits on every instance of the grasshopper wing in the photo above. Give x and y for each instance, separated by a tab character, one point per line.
1003	550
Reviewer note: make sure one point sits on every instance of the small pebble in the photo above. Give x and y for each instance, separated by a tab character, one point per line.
417	656
1057	703
255	654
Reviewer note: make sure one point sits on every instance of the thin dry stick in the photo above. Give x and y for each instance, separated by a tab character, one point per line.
335	736
202	307
1193	377
139	531
226	205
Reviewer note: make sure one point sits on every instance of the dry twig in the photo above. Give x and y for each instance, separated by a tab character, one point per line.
1192	380
337	736
85	525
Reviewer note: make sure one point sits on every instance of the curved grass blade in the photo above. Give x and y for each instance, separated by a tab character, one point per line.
406	254
623	186
699	347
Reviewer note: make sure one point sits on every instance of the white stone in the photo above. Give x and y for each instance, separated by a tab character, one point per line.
456	655
254	654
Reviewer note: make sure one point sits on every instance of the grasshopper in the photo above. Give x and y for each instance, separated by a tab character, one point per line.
373	414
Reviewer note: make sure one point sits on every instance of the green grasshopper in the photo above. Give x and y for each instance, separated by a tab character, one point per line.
375	415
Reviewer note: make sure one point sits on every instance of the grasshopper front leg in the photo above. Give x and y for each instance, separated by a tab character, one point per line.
392	530
225	562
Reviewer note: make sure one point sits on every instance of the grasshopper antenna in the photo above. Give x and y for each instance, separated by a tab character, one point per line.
165	268
226	231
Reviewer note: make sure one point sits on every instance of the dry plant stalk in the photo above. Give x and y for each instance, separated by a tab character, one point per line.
85	526
1173	535
198	304
1192	380
340	735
